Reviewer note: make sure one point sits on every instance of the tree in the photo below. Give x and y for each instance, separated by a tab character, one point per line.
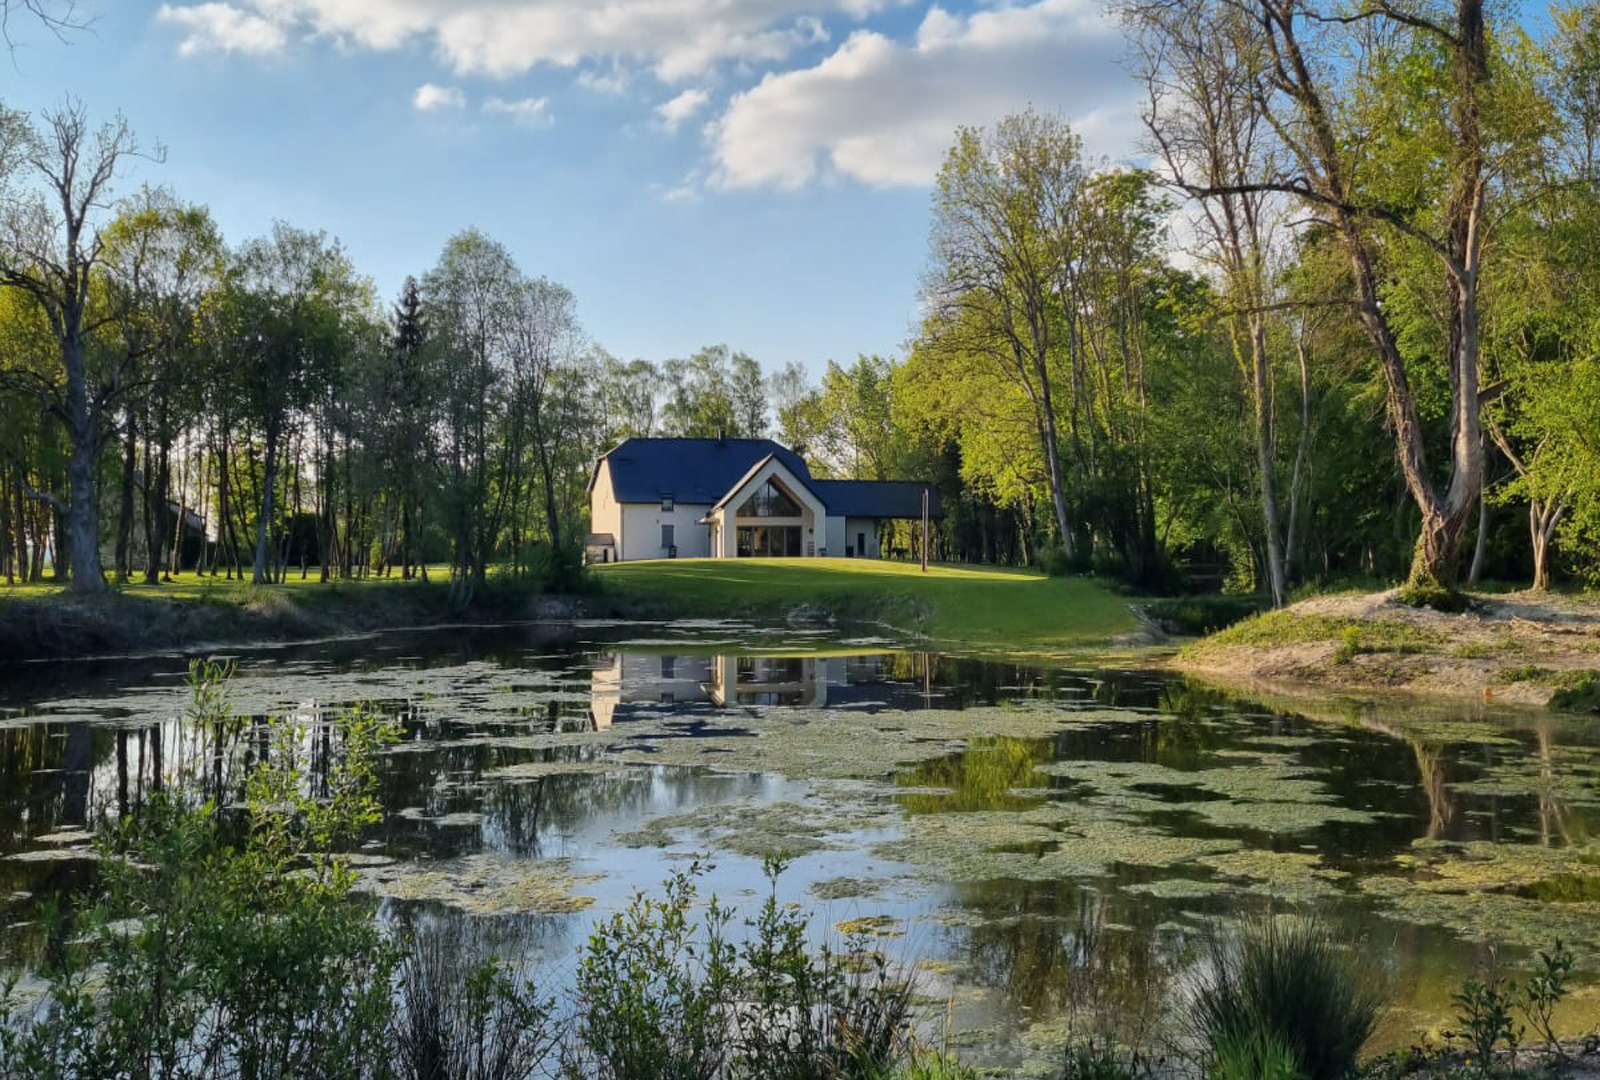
1217	146
1387	186
470	297
51	245
1002	209
289	294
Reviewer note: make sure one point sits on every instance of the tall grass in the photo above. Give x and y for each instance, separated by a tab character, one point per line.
1283	1001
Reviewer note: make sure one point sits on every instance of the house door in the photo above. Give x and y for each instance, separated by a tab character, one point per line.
861	544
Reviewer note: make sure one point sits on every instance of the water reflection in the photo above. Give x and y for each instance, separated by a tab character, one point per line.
517	749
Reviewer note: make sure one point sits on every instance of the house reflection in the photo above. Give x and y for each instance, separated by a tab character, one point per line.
644	682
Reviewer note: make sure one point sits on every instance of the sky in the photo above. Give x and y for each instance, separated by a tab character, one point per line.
748	172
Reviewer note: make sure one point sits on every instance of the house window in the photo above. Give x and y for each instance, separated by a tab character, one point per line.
666	502
666	536
769	500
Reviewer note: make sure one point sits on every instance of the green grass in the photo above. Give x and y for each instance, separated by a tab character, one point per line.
1355	637
191	586
991	607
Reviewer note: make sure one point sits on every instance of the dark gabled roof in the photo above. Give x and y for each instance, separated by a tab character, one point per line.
692	471
877	498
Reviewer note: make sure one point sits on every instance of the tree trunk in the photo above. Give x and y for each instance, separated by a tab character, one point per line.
124	567
1480	548
83	509
1261	381
258	575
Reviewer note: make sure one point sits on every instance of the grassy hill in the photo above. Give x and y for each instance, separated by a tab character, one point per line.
988	607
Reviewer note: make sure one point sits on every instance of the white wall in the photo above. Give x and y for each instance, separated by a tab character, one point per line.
852	526
605	516
834	534
641	531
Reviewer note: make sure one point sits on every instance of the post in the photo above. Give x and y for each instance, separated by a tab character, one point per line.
924	530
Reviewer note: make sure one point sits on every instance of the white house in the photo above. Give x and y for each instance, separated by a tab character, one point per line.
735	498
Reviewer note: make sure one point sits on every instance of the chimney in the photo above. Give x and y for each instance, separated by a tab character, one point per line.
722	436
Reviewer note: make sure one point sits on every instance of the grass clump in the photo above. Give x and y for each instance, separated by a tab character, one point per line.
1283	1001
1524	673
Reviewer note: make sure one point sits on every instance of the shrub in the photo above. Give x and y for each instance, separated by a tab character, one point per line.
1055	562
1437	597
1577	692
661	995
204	946
461	1014
1284	985
1194	615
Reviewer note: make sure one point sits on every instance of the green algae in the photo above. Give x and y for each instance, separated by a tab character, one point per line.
1292	876
1180	888
758	829
882	926
483	884
527	771
1272	796
1048	843
848	888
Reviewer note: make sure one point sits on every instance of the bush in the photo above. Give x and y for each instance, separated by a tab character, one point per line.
204	946
1577	692
660	995
460	1013
1196	615
1283	986
1437	597
1055	562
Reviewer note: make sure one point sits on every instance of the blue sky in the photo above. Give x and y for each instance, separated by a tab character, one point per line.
752	172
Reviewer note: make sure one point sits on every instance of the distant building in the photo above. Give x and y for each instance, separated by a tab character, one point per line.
735	498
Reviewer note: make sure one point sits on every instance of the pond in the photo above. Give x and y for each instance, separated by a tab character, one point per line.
1050	846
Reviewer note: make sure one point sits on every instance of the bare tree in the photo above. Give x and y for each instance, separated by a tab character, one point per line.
50	248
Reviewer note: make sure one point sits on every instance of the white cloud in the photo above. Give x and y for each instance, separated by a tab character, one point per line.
673	113
530	112
884	112
613	82
216	27
433	98
677	39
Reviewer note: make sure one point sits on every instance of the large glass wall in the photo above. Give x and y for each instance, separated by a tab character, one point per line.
770	501
774	541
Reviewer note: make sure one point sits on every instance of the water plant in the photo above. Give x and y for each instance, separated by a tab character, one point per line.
1282	992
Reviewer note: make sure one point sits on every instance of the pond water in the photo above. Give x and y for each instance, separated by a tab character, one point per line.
1050	846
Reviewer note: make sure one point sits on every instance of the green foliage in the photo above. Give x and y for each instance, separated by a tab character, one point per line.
1202	614
202	946
462	1013
1546	988
1283	985
651	988
1577	692
1431	595
1484	1018
662	994
1253	1055
1091	1060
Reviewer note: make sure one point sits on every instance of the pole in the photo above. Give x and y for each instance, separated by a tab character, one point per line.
924	530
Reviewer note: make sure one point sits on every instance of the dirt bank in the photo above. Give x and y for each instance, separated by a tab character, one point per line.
61	626
1517	649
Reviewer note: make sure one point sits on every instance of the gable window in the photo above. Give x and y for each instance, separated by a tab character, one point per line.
769	500
666	502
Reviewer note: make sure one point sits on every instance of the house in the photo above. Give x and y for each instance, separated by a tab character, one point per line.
727	498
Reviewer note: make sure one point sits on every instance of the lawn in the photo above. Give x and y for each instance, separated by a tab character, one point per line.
986	606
